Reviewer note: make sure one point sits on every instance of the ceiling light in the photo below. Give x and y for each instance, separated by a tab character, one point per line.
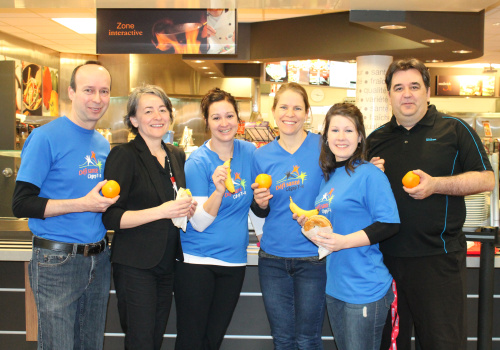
204	67
489	69
432	41
393	26
79	25
210	72
434	61
462	51
199	61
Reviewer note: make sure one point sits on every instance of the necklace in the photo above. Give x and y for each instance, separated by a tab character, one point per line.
172	178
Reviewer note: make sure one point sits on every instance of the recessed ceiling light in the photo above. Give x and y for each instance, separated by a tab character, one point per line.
210	72
79	25
204	67
462	51
199	61
393	26
433	61
213	77
432	41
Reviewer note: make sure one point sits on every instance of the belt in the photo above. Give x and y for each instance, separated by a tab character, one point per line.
85	249
263	254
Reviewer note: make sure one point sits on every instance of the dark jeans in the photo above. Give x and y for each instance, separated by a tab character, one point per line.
144	301
71	295
358	326
205	299
294	297
432	298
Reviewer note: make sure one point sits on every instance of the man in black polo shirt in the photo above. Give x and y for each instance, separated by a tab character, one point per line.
427	257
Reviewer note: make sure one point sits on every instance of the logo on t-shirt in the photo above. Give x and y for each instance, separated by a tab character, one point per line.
92	168
239	187
323	204
292	180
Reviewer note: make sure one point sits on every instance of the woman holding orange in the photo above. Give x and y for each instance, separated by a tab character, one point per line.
146	242
292	277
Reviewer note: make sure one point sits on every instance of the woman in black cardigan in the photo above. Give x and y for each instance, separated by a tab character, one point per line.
146	242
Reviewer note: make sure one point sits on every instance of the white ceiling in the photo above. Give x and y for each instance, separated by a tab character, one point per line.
31	19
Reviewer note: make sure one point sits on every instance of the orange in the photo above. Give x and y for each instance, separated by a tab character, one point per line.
264	180
111	189
411	179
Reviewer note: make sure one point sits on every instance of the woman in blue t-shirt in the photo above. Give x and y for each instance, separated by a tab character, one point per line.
292	277
209	280
357	199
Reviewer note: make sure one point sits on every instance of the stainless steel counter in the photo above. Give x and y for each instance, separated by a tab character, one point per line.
15	242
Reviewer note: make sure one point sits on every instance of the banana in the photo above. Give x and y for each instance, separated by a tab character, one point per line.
297	210
229	182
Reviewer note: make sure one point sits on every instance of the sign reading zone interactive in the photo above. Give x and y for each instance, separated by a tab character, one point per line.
174	31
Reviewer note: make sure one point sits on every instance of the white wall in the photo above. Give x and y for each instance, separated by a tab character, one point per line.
464	104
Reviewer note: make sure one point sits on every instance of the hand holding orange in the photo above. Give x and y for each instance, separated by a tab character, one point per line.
264	180
111	189
411	179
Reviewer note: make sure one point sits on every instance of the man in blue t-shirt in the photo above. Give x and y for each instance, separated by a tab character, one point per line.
57	188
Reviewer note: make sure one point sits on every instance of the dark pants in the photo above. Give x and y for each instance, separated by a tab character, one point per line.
144	301
432	298
205	299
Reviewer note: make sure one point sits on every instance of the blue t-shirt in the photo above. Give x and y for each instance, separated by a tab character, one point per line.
226	238
295	175
65	161
351	203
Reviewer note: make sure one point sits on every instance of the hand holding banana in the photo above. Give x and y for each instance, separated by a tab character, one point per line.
229	182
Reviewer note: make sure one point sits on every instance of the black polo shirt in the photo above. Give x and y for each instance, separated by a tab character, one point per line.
440	145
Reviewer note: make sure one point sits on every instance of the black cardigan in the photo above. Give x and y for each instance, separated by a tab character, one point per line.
135	169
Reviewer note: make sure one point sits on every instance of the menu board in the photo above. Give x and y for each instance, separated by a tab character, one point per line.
170	31
313	72
465	85
298	71
319	72
276	72
343	74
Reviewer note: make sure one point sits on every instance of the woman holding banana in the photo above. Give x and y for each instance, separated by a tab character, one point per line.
357	199
209	280
292	278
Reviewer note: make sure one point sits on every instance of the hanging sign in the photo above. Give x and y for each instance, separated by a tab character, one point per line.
172	31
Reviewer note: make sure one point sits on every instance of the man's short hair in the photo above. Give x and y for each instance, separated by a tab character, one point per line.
406	64
72	82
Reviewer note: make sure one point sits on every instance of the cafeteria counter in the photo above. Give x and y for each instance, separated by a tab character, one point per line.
249	328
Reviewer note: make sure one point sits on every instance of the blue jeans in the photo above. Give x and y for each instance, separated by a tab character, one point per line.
294	297
358	326
71	295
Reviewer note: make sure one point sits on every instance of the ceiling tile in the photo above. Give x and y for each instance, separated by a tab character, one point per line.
28	21
10	29
52	29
